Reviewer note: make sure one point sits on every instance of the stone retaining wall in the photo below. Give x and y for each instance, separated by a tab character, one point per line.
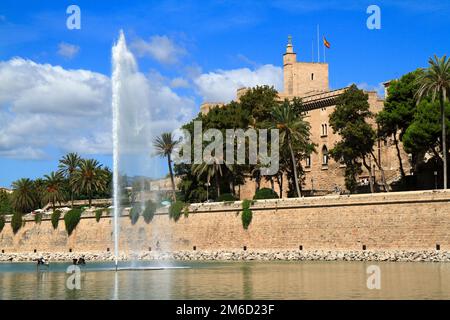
411	221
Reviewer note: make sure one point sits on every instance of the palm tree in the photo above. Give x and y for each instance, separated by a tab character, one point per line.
164	146
435	82
213	168
54	188
67	166
292	129
24	195
89	178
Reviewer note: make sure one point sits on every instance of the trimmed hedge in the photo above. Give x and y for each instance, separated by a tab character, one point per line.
135	212
71	220
38	218
98	214
225	197
55	218
265	193
247	214
2	222
176	209
149	211
16	222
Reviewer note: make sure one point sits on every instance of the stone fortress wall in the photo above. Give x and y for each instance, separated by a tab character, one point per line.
383	221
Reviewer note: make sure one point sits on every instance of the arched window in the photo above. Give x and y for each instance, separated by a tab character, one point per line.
312	76
324	156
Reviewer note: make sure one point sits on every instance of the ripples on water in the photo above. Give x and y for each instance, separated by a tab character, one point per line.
229	280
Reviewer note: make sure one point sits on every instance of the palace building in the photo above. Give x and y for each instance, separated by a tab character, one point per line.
310	82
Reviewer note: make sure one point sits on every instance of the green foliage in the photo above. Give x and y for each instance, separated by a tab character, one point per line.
24	196
5	203
294	137
71	220
38	218
135	212
16	222
253	110
2	223
265	193
98	214
149	211
247	213
358	137
400	105
176	209
54	188
55	218
424	133
225	197
89	178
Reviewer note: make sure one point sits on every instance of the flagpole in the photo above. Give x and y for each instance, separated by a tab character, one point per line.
312	51
318	44
324	56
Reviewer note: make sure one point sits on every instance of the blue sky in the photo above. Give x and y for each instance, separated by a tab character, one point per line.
189	51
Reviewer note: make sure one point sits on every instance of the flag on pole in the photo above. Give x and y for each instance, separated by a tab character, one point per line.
326	43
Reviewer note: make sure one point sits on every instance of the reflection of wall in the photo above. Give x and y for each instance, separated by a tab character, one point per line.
404	220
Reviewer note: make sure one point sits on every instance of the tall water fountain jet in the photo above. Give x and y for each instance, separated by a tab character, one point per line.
131	130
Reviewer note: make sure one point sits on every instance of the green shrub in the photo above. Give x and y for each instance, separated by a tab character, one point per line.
176	209
71	220
247	213
225	197
149	211
135	212
16	222
38	218
98	214
55	218
265	193
2	222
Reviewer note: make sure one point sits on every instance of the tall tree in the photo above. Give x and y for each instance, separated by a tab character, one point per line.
357	136
89	178
293	130
164	146
54	188
24	195
5	203
435	82
424	134
398	112
67	166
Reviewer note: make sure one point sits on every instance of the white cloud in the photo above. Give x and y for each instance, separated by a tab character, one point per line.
179	83
44	106
160	48
68	50
221	85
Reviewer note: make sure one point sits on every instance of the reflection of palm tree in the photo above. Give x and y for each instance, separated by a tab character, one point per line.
164	146
54	188
67	166
24	195
89	178
435	81
293	129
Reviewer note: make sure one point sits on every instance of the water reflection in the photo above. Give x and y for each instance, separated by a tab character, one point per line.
232	280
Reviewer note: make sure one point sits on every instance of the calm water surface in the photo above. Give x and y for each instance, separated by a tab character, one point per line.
229	280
